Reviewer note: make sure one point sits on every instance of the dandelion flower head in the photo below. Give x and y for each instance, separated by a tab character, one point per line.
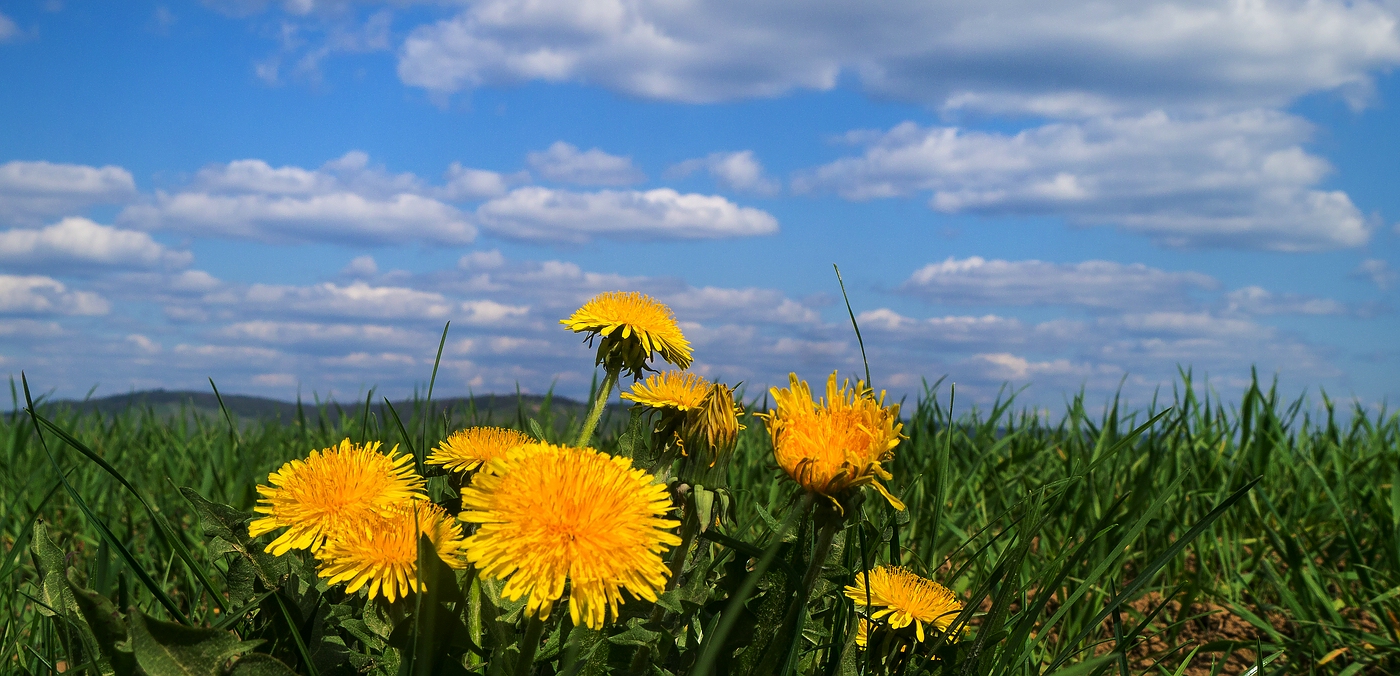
900	597
632	326
555	513
382	550
330	489
466	450
669	390
837	443
714	424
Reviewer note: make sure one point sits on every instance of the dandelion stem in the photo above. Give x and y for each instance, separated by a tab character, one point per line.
534	629
690	525
829	524
594	414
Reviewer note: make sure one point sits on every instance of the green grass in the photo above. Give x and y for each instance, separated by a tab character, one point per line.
1066	535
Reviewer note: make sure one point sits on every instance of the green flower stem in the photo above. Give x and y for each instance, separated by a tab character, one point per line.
829	524
534	629
586	434
690	526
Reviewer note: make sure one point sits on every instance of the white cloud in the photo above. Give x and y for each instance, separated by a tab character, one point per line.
1239	180
37	294
740	171
8	29
1080	55
944	332
81	241
543	214
1098	284
336	217
1378	271
293	333
345	201
750	305
361	266
29	328
467	184
1259	301
33	191
564	163
357	300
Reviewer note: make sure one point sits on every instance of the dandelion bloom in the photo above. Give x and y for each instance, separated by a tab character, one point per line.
330	489
559	512
466	450
632	326
382	550
669	390
835	444
900	597
714	423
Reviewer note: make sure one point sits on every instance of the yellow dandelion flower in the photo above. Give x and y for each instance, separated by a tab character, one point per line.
466	450
382	550
669	390
862	632
559	513
835	444
900	597
632	326
329	490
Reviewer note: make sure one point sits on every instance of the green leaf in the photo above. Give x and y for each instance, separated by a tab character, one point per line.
635	635
169	649
107	629
258	664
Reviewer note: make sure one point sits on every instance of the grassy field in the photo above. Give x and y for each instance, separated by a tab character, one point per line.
1074	542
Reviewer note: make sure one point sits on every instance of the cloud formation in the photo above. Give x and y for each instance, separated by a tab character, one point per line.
75	243
1094	284
1238	180
33	191
1007	55
739	171
542	214
42	295
563	162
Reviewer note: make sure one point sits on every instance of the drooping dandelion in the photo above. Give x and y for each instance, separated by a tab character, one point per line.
900	597
838	443
382	550
330	489
560	514
632	326
712	427
466	450
669	390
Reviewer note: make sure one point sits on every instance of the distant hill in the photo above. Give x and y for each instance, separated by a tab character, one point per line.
166	403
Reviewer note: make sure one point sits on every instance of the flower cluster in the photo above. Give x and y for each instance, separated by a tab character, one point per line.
551	521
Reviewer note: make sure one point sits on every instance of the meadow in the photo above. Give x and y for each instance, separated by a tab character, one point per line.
1250	536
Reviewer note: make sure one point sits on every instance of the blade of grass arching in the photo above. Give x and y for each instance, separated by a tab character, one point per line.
102	528
1086	667
404	433
852	313
1362	570
709	650
22	540
1010	587
428	402
1151	569
232	428
364	417
1119	550
300	643
1125	441
163	529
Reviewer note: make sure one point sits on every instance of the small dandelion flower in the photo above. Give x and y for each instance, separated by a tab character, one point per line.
838	443
669	390
900	597
331	488
466	450
382	550
713	425
863	632
560	513
632	327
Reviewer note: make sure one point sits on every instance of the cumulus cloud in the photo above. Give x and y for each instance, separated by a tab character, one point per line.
33	191
1257	300
465	184
1095	284
740	171
41	295
1378	271
1239	180
543	214
79	242
8	29
355	300
564	163
1080	56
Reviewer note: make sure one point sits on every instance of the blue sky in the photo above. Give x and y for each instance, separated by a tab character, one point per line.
295	196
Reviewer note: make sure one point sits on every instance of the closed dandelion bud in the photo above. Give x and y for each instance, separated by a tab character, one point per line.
712	428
